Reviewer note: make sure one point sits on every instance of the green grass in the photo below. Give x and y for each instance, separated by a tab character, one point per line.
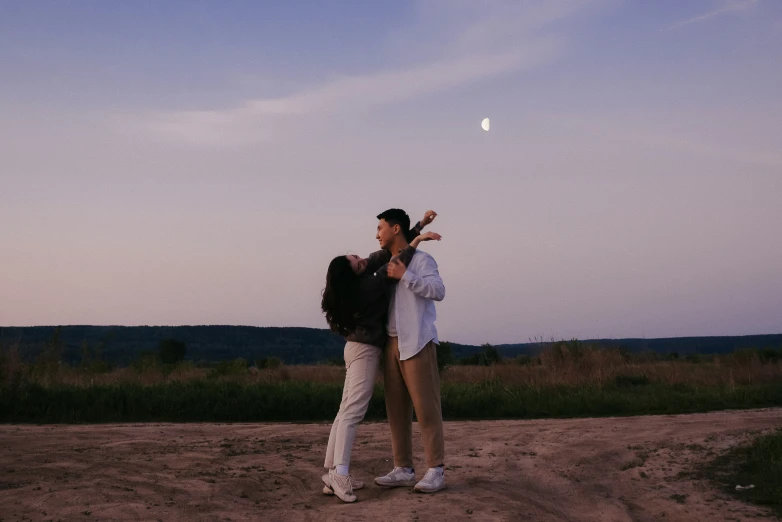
216	401
760	464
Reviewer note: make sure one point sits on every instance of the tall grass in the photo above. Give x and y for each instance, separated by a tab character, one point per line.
565	380
221	401
562	364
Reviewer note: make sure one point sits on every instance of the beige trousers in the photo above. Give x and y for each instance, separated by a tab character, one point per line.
414	383
362	362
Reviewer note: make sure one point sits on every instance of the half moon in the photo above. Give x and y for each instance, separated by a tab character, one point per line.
485	124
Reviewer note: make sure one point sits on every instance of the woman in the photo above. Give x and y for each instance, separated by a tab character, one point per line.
355	301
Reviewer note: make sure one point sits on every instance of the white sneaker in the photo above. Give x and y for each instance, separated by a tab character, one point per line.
357	484
396	478
433	481
339	485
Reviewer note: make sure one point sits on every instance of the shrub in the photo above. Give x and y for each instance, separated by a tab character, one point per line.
273	362
233	367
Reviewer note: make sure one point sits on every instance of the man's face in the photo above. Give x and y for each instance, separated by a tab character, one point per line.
386	233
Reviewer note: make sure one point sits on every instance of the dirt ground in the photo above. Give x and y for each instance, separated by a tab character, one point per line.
612	469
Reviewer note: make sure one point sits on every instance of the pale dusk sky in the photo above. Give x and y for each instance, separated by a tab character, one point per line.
168	163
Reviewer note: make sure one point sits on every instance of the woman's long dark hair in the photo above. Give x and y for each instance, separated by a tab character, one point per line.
340	297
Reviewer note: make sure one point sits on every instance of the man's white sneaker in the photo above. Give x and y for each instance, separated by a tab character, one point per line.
357	484
339	485
434	480
396	478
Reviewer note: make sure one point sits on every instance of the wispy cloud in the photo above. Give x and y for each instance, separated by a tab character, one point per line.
484	40
249	121
734	6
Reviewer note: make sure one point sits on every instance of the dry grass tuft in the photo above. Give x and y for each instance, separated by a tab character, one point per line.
557	365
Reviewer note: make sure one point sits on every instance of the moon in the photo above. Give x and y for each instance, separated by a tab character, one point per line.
485	124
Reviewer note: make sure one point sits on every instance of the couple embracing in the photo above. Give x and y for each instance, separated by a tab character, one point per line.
384	307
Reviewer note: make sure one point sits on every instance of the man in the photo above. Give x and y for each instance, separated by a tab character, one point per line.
411	376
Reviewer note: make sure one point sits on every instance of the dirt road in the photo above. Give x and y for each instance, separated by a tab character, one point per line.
612	469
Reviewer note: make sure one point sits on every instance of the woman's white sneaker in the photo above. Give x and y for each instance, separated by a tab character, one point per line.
433	481
341	486
397	477
357	484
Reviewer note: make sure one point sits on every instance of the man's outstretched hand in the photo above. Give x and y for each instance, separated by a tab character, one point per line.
429	216
396	269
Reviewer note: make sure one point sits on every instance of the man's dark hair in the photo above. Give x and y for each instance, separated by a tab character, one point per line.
397	216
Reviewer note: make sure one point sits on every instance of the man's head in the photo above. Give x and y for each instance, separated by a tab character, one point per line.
393	225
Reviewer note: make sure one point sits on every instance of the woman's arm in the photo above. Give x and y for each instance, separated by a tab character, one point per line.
377	259
403	259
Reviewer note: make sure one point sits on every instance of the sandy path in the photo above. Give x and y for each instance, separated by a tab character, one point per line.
611	469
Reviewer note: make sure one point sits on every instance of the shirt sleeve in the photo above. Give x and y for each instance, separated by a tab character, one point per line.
427	283
414	232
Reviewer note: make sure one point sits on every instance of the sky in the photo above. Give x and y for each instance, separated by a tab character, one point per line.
183	163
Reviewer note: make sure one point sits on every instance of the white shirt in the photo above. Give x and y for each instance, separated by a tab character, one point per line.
411	314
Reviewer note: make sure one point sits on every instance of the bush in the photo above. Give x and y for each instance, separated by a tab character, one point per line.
271	363
183	366
100	367
233	367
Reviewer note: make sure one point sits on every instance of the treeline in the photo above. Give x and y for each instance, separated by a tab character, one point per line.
489	355
171	354
122	345
168	355
566	378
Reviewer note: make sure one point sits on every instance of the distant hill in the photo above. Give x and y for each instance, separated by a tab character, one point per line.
122	344
680	345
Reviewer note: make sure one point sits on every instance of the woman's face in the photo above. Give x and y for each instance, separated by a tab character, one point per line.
357	263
